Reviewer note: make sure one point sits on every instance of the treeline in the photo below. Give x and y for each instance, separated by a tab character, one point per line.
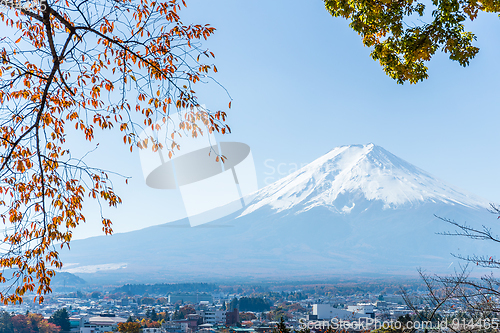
253	304
352	288
166	288
29	323
273	297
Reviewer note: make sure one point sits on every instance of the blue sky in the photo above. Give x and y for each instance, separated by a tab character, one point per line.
302	83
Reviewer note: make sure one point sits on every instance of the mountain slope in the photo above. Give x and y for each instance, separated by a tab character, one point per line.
357	209
368	172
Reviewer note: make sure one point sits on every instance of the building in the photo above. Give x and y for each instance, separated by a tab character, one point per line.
152	330
75	323
265	329
88	329
362	308
213	316
232	317
103	323
399	311
241	330
328	312
177	326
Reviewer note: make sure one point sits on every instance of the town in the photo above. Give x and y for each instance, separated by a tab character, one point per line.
205	307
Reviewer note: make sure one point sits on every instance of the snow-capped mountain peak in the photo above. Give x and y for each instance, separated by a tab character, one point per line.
348	175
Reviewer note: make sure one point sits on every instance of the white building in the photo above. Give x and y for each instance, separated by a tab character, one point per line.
328	312
101	324
152	330
176	327
88	329
399	311
213	316
362	308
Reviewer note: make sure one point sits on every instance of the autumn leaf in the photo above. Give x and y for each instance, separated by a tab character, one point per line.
75	66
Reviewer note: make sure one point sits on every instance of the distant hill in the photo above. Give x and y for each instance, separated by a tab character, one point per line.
356	210
67	280
166	288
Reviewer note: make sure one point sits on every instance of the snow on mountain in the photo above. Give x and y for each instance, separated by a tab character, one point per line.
362	172
357	209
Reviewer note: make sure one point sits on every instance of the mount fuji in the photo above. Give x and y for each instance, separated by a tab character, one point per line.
353	174
356	210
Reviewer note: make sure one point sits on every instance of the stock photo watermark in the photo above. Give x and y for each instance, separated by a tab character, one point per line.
371	324
276	170
210	188
24	5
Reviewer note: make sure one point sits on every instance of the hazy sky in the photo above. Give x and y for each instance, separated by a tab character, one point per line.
302	83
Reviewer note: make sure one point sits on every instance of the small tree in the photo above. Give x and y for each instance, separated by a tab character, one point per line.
96	294
479	296
61	319
473	300
129	327
234	304
281	327
6	323
154	316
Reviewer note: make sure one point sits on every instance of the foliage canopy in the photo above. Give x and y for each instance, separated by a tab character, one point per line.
112	64
401	39
61	318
